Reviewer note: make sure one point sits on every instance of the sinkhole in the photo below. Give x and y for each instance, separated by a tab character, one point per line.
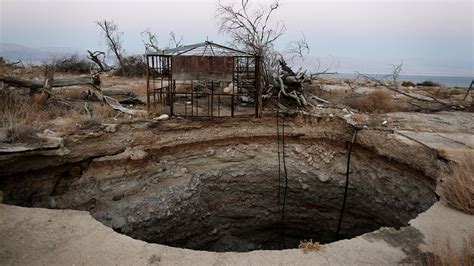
229	197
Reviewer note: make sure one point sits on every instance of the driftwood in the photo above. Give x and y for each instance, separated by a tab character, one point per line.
429	103
45	87
291	84
65	82
94	57
468	90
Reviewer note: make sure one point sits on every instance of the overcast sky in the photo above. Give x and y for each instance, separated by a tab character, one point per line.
431	37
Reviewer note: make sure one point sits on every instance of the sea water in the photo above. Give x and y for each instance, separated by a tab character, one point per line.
449	81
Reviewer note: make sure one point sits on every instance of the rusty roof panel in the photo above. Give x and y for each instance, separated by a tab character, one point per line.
202	67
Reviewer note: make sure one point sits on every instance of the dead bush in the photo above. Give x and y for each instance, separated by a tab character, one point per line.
139	89
428	83
306	245
378	101
22	133
133	66
457	187
334	96
408	84
444	255
102	110
70	64
22	120
91	123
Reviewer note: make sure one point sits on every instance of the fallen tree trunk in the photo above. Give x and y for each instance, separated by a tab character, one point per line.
45	88
37	84
291	84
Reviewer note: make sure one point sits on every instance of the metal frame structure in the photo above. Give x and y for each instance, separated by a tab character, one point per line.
161	80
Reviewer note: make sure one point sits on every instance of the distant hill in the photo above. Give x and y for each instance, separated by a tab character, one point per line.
13	52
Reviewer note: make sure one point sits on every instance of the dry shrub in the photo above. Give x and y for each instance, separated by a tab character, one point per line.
139	89
72	92
408	84
334	96
378	101
457	188
428	83
91	123
309	245
446	256
102	110
22	120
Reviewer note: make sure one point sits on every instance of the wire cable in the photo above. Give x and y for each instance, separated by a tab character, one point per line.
347	182
286	185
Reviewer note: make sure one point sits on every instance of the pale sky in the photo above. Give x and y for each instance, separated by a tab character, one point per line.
430	37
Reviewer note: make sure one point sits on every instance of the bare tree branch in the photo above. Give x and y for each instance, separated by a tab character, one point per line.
95	57
150	41
114	42
391	83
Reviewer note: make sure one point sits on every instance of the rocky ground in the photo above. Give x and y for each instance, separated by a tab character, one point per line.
212	185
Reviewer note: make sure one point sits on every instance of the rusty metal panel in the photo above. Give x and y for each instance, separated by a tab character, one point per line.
202	67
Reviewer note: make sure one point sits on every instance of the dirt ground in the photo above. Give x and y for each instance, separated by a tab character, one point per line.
71	149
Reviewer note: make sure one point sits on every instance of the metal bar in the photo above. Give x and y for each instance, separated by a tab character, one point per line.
232	106
219	105
185	107
351	144
258	86
192	97
197	107
171	88
147	86
208	104
212	98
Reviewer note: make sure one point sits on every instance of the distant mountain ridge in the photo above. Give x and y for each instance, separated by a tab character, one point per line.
13	52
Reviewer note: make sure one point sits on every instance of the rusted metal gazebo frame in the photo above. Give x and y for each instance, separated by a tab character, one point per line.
203	61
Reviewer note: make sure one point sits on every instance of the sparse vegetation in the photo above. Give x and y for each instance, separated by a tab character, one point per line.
428	83
408	84
444	255
306	245
378	101
133	66
22	120
457	187
72	64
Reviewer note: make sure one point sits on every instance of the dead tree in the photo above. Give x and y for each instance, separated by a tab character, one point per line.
429	103
291	84
150	41
95	57
114	42
36	85
251	29
468	90
174	42
297	52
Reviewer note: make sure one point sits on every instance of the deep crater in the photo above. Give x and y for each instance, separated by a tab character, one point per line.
224	197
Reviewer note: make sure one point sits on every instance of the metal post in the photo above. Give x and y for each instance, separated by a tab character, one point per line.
212	98
192	97
148	85
258	86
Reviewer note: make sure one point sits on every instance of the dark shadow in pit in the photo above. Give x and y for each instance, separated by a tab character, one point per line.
224	198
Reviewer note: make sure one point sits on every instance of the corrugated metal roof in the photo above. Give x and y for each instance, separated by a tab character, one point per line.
204	48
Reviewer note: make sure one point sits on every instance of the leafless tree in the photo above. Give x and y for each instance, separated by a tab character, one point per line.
251	28
298	50
150	41
113	39
175	42
98	57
